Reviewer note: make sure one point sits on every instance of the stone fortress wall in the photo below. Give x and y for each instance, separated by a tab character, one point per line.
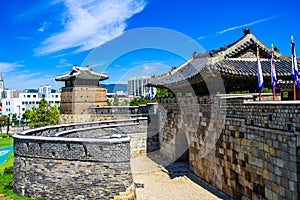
78	161
245	148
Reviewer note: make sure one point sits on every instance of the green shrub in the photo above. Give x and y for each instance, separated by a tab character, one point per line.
8	170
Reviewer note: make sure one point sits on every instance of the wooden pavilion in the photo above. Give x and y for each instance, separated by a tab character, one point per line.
229	69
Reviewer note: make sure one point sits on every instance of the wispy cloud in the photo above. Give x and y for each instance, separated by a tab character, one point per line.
63	63
91	23
148	69
241	26
44	26
24	79
248	24
201	37
24	38
8	67
18	76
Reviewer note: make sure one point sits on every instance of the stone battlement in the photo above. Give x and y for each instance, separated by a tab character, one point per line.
83	160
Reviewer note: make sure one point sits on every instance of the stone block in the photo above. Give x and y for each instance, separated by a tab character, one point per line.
268	193
256	162
266	174
275	188
244	142
293	176
261	146
266	147
279	162
284	182
282	191
292	186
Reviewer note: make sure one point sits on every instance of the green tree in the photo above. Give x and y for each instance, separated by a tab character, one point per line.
116	100
136	102
3	120
14	117
160	93
44	115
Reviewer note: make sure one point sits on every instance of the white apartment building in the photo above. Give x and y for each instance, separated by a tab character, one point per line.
137	86
27	101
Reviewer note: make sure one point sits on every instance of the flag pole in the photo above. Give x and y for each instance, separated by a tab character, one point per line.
294	83
295	94
273	88
259	75
293	70
259	90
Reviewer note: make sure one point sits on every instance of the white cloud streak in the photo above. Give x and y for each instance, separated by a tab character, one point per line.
90	23
44	26
23	79
8	67
24	38
247	24
148	69
17	76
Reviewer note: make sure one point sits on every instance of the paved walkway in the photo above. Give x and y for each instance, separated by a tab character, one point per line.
158	185
4	153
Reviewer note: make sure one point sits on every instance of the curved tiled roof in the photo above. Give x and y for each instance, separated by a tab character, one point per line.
82	73
182	73
237	61
244	67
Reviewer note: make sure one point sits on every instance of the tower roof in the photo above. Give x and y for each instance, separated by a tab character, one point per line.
236	63
82	73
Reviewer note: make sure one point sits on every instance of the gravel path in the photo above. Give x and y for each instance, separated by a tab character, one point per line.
159	186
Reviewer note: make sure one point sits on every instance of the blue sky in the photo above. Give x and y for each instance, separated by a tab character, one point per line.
42	39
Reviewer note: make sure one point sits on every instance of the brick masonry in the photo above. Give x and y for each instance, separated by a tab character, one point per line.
245	148
78	100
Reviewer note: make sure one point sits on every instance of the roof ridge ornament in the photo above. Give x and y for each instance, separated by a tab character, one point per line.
247	31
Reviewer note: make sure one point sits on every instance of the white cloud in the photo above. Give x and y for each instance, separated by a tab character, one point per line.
27	80
24	38
201	37
90	23
17	76
44	26
247	24
8	67
148	69
63	63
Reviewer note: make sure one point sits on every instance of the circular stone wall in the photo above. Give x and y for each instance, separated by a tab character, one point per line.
72	168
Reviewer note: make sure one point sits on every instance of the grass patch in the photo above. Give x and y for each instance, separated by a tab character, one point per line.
8	163
5	140
6	187
6	175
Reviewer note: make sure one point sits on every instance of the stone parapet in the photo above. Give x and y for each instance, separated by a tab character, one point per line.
79	161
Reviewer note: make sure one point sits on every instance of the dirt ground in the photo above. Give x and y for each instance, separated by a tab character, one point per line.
159	186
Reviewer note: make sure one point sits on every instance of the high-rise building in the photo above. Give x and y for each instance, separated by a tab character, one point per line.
137	86
1	86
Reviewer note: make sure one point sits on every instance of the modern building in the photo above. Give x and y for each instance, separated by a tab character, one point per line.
45	91
27	100
137	86
123	98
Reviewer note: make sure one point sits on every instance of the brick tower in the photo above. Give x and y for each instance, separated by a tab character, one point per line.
80	93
